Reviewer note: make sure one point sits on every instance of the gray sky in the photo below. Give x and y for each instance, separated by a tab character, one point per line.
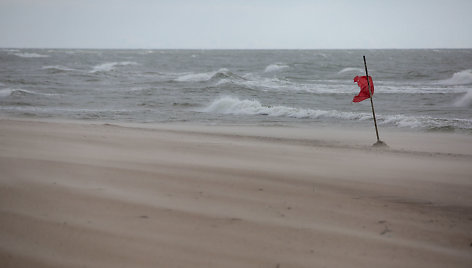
241	24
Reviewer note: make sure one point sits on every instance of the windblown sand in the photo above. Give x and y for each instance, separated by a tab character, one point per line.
100	195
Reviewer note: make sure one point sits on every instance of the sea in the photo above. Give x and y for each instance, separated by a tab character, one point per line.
415	89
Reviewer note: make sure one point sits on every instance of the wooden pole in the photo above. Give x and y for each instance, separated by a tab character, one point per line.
379	142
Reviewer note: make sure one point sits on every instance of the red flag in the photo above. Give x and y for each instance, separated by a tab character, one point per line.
362	83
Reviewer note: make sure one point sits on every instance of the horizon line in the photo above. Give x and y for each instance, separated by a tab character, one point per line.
143	48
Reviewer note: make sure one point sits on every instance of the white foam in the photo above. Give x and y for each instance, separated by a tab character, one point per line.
350	70
194	77
265	84
18	92
255	82
202	77
277	67
6	92
460	78
464	101
400	120
57	68
326	86
30	55
235	106
109	66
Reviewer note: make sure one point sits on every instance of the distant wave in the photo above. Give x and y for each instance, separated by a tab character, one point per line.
6	92
235	106
30	55
277	67
57	68
460	78
9	50
11	92
351	70
255	82
109	66
464	101
203	77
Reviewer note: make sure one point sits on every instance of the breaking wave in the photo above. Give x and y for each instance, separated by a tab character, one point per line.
254	81
460	78
203	77
110	66
57	68
12	92
351	70
6	92
425	122
235	106
30	55
277	67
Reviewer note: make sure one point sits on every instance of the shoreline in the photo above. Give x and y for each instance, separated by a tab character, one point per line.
359	137
182	195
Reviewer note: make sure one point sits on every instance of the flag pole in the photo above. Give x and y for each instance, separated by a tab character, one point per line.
379	142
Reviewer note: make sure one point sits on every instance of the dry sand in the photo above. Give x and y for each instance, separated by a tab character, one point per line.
100	195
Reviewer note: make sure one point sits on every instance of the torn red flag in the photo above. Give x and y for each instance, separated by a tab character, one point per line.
362	83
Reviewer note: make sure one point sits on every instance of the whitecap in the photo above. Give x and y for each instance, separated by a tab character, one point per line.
460	78
30	55
57	68
202	77
6	92
400	121
350	70
235	106
18	92
277	67
424	122
194	77
256	82
109	66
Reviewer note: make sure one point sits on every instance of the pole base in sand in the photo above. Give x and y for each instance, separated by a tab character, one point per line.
380	144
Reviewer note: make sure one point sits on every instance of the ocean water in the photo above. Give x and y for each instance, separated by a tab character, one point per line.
425	90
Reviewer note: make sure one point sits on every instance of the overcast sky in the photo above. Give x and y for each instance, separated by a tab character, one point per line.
241	24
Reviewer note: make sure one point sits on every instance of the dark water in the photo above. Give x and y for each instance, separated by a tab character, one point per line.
415	89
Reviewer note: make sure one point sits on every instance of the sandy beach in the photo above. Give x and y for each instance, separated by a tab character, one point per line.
81	194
